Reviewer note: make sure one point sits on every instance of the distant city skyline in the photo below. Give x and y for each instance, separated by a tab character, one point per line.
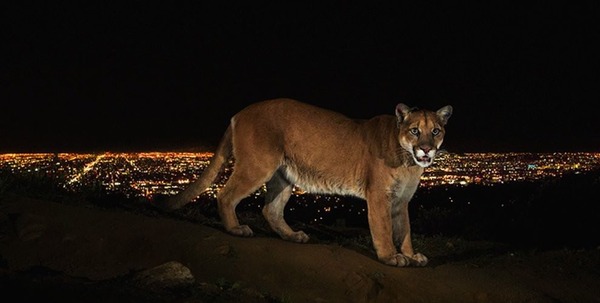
147	174
144	175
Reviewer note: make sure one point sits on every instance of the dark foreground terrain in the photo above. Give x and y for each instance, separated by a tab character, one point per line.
65	252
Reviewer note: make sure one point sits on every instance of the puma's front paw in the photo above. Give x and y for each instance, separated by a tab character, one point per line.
400	260
241	230
419	259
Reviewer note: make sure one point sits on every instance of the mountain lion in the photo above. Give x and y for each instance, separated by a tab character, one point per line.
284	142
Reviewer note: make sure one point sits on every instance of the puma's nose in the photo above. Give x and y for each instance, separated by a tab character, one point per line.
425	148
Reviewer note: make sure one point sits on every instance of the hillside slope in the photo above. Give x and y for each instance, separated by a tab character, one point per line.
95	249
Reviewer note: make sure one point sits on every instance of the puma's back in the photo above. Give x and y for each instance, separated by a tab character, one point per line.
318	149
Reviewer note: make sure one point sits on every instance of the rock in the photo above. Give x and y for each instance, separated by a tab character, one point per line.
164	277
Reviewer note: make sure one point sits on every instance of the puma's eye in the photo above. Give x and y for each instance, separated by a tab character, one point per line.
435	131
414	131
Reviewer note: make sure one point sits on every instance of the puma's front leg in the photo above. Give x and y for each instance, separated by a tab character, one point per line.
380	225
402	234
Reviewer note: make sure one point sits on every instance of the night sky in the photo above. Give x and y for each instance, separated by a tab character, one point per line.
144	76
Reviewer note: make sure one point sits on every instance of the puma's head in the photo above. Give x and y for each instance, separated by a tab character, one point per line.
421	132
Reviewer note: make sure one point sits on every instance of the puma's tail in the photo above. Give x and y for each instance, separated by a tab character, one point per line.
207	177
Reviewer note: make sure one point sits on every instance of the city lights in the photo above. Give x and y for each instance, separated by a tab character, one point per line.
147	174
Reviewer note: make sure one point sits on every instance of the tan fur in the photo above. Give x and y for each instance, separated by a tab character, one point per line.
283	142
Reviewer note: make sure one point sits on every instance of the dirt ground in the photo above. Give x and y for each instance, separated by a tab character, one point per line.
59	252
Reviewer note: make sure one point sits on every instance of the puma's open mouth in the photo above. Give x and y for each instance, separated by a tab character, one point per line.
423	161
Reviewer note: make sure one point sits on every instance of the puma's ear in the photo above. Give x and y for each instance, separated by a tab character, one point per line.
444	113
401	111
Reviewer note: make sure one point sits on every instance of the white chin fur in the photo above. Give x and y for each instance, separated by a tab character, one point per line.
422	159
423	163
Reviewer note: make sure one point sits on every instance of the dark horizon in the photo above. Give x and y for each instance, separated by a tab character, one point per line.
146	76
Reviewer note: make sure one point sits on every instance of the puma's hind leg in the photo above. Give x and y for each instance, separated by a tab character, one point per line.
278	193
242	182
